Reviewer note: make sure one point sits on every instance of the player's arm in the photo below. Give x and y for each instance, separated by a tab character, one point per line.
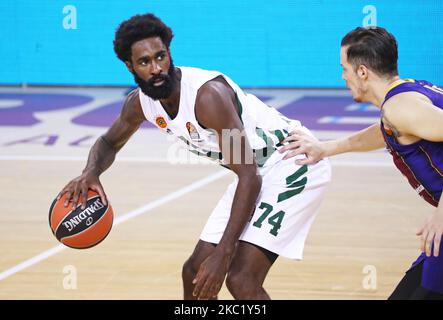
298	142
103	152
215	109
410	114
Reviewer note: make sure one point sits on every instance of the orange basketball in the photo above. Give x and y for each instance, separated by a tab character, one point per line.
81	229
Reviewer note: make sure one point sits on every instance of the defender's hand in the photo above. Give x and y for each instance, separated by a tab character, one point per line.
300	142
431	233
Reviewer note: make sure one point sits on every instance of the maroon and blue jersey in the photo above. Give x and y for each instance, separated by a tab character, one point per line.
420	162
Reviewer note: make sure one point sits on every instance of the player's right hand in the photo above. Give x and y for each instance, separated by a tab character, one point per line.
299	142
431	233
77	189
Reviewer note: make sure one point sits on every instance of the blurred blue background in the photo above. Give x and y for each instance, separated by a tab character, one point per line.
258	43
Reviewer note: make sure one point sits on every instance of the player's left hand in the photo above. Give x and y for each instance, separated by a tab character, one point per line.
431	233
210	276
299	142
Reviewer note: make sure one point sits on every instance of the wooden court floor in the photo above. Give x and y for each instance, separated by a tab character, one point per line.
368	220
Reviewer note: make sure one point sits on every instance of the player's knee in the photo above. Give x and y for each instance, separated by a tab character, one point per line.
242	285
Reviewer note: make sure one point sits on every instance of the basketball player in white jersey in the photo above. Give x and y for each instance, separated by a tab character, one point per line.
266	212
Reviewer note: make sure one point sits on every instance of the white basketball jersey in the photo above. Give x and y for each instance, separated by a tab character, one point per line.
265	127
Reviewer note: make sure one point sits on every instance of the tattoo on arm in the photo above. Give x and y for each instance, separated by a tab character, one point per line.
390	126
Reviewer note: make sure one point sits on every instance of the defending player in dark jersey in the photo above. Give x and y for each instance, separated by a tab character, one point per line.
411	128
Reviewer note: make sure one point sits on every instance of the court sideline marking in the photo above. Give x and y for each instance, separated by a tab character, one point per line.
334	162
125	217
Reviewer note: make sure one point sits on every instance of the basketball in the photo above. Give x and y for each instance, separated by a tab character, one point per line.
81	229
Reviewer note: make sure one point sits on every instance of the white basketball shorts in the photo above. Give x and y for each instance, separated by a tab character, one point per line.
285	209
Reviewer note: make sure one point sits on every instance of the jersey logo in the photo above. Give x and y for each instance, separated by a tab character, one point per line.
419	189
161	122
193	133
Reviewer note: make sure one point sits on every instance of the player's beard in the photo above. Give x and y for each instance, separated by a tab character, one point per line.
158	92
